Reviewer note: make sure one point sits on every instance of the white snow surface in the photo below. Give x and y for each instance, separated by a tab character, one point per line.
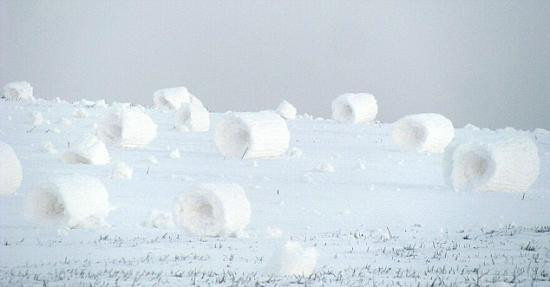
393	221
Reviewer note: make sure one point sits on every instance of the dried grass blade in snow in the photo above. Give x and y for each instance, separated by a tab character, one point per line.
91	150
11	172
354	108
74	201
292	259
213	210
193	117
18	91
127	127
286	110
423	132
173	98
252	135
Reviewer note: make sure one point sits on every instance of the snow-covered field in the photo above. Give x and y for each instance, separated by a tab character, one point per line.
377	216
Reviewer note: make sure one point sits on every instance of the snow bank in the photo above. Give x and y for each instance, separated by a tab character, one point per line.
423	133
193	117
73	201
214	210
252	135
127	127
292	259
509	163
11	172
91	150
18	91
354	108
286	110
173	98
122	171
159	219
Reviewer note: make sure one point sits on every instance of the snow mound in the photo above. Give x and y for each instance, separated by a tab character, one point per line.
74	201
175	154
213	210
49	148
36	118
286	110
122	171
354	108
492	163
193	117
423	133
252	135
325	167
18	91
11	172
159	219
91	150
173	98
292	259
127	127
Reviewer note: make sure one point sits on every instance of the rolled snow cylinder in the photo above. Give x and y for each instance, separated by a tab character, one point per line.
292	259
127	127
173	98
11	172
286	110
500	164
423	132
74	201
193	117
354	108
213	210
18	91
252	135
91	150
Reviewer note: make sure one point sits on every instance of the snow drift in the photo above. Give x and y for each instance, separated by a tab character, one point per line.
213	210
173	98
252	135
193	117
127	127
292	259
286	110
74	201
91	150
423	133
122	171
11	172
354	108
509	163
18	91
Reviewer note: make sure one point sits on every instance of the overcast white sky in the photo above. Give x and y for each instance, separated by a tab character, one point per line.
481	62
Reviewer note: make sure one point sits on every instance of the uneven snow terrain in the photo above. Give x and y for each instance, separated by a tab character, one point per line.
377	216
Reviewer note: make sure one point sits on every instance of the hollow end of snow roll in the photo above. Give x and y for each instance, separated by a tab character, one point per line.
71	201
252	135
193	117
91	150
18	91
293	259
354	108
11	172
173	98
213	210
128	127
423	132
286	110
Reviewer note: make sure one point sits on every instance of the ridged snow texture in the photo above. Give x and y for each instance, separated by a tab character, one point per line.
127	127
18	91
91	150
509	164
173	98
354	108
213	210
11	172
292	259
286	110
252	135
423	133
73	201
193	118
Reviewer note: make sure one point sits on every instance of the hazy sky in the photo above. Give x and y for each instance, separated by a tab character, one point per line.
481	62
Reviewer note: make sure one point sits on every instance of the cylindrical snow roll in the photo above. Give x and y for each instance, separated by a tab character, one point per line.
91	150
213	210
286	110
127	127
193	117
501	164
423	132
173	98
11	172
18	91
292	259
354	108
74	201
252	135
